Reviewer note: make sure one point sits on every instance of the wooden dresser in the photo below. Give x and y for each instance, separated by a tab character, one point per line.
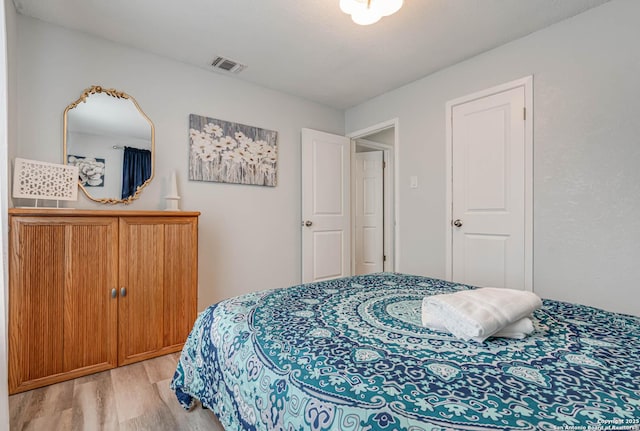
93	290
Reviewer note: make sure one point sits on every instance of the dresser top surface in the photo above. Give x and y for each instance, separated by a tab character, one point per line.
72	212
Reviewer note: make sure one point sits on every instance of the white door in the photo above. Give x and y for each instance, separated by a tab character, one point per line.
488	190
369	198
326	218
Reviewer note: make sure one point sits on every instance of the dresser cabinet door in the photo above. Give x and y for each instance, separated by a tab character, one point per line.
180	281
158	285
90	306
62	317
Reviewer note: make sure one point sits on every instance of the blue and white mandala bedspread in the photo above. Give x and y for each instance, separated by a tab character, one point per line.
350	354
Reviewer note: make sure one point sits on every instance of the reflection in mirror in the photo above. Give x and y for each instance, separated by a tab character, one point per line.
111	140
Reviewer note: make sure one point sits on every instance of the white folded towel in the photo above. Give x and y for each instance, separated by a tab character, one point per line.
518	329
478	314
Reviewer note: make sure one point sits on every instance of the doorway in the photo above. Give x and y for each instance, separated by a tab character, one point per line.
328	185
374	212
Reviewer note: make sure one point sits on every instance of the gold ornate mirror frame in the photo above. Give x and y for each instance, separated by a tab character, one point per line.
96	89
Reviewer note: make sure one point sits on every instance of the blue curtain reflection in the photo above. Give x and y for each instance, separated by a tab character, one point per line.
136	169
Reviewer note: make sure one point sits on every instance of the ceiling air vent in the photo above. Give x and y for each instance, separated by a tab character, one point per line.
227	65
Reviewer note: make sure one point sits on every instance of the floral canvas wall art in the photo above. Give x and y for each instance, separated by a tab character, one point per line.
90	170
222	151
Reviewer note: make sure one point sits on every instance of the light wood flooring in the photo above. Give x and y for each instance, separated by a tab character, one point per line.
134	397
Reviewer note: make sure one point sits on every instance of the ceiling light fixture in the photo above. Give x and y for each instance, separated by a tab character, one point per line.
365	12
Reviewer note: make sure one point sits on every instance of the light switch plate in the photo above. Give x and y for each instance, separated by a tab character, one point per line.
413	182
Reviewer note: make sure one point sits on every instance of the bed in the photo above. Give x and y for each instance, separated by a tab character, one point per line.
351	354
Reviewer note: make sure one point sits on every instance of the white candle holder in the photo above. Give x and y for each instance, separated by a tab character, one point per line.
172	198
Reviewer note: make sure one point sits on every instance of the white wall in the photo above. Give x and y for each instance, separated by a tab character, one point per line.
586	154
249	236
7	73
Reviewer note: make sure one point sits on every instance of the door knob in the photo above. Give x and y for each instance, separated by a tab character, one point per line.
307	223
457	223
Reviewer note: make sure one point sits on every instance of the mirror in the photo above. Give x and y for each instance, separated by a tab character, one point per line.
111	140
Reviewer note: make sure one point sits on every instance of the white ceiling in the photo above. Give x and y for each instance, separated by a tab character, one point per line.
309	48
